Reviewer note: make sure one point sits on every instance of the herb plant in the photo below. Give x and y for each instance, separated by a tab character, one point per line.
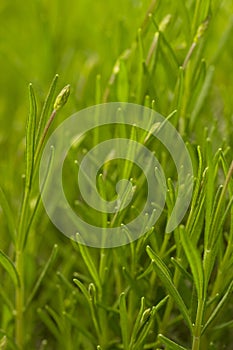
166	290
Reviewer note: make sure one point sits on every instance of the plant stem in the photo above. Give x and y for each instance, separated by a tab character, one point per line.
19	301
19	264
198	325
42	139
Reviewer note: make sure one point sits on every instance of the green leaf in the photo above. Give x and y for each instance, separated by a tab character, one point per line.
122	82
164	274
75	322
43	273
179	93
50	325
177	264
39	199
141	67
165	45
209	193
30	137
9	266
47	108
65	282
124	322
170	345
195	262
218	211
137	322
83	289
90	264
219	307
224	325
91	303
153	53
216	226
56	317
146	324
202	96
161	303
197	83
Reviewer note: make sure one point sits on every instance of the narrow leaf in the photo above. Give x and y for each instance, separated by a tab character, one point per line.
122	82
56	317
49	323
124	322
30	137
43	273
218	307
90	265
147	324
9	266
181	269
47	108
202	96
39	199
170	345
194	260
137	322
90	303
75	322
163	273
83	289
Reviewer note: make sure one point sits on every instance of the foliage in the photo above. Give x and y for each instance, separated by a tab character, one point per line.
164	291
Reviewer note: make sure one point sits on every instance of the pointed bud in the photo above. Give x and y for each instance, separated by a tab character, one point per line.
145	316
201	30
62	98
92	292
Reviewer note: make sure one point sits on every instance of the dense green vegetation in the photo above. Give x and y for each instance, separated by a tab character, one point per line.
163	291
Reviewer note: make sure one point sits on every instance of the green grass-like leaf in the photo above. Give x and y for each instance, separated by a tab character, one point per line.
166	279
170	345
195	262
30	137
9	267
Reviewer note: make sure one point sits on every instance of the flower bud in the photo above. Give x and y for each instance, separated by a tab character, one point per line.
62	98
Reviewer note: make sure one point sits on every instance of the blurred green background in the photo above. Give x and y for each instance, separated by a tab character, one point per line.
80	39
76	39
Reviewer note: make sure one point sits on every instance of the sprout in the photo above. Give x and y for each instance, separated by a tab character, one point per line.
62	98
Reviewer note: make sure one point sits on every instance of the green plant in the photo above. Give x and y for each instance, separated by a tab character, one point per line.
165	290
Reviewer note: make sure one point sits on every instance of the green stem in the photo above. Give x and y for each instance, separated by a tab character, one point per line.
42	139
19	264
198	325
19	301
